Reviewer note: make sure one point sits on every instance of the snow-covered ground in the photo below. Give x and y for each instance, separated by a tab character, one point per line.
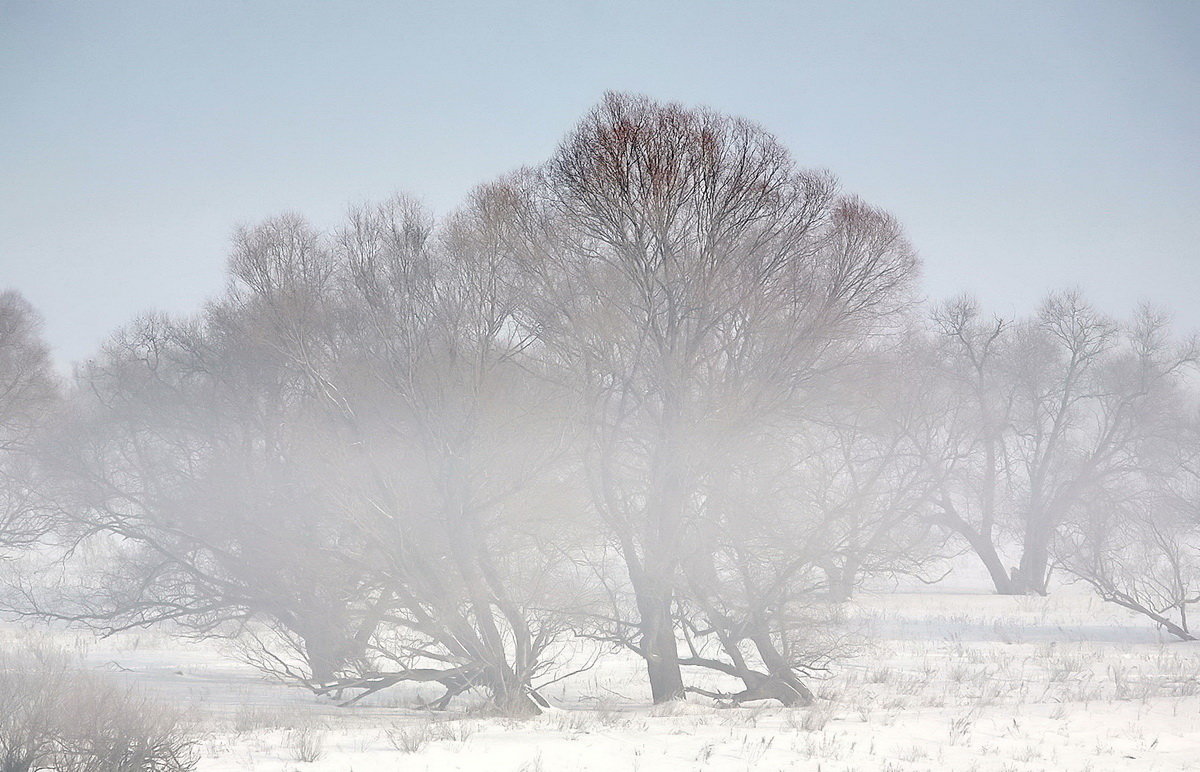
940	681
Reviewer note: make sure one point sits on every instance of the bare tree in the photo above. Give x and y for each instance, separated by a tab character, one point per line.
28	389
351	448
863	472
693	281
749	603
968	449
419	365
1057	452
1035	421
1134	534
1140	553
187	449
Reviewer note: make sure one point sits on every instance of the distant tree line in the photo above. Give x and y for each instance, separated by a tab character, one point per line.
667	391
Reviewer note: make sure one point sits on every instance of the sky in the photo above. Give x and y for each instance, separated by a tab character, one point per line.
1026	146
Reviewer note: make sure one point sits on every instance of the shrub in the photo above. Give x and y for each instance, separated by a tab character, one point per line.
55	717
307	743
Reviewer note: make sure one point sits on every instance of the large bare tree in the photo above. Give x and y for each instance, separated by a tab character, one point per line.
693	280
410	342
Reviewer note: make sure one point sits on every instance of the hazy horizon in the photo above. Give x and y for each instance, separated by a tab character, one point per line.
1024	147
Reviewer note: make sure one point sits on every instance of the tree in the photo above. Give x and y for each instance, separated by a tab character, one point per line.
349	462
1036	420
408	338
28	390
1134	534
692	281
862	471
189	451
968	450
1058	363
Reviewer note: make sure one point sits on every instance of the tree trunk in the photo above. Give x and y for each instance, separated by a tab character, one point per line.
468	549
664	516
658	645
510	696
981	543
324	656
509	692
841	581
789	689
1005	583
1035	560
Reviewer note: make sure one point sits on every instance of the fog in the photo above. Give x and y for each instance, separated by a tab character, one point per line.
666	416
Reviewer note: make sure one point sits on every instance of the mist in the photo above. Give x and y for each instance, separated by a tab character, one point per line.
656	450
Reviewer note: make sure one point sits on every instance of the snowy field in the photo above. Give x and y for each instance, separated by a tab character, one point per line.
940	681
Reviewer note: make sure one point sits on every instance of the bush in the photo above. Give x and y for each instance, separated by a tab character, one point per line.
55	717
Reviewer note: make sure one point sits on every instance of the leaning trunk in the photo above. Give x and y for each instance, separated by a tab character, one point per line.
784	685
1005	583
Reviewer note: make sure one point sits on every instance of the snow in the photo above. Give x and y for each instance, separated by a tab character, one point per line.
939	680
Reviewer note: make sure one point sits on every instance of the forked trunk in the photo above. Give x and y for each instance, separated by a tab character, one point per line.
840	581
784	685
1032	574
510	696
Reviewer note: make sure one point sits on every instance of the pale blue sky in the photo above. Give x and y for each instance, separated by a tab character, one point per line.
1026	146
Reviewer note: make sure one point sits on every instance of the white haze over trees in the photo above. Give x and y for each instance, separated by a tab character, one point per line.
666	391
